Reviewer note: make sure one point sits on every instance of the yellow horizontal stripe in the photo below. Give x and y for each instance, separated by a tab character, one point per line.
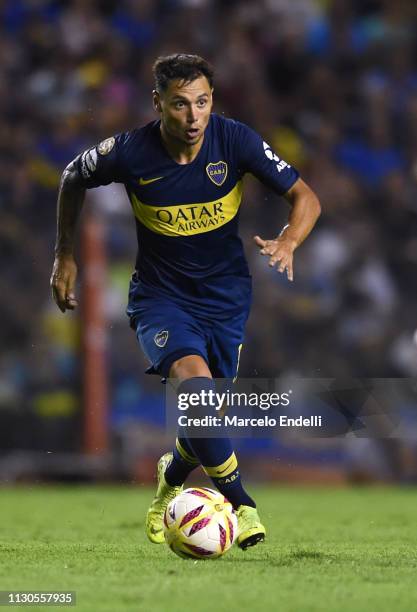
222	470
186	456
188	219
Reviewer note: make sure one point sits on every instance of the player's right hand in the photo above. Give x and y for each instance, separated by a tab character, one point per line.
64	274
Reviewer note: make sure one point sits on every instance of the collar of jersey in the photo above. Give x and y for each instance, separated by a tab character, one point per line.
168	156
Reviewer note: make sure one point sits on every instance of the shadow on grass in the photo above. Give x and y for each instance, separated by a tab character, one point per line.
284	559
131	524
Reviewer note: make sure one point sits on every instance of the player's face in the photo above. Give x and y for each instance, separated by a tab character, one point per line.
185	109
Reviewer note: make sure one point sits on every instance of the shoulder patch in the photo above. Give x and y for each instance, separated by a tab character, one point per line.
106	146
88	163
91	159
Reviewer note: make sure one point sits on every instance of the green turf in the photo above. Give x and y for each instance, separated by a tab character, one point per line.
333	550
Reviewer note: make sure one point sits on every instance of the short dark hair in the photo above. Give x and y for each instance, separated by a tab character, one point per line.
180	66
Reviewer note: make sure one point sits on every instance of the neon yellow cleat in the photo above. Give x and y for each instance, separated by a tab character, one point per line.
164	494
251	530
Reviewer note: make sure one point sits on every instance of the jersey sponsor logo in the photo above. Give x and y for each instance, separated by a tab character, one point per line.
217	172
281	165
143	181
161	338
106	146
188	219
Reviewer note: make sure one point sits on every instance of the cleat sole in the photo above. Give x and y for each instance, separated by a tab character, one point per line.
252	540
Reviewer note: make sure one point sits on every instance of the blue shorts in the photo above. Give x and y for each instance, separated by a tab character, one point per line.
167	332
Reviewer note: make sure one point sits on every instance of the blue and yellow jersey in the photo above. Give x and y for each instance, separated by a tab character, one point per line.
187	215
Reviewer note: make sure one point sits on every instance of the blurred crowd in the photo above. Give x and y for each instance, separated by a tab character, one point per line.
330	84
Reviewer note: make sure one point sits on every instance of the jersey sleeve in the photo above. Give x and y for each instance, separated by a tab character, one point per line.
104	163
257	157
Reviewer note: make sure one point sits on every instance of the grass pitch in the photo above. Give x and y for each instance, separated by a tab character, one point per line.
327	550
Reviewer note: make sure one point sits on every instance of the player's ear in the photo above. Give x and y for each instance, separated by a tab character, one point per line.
156	101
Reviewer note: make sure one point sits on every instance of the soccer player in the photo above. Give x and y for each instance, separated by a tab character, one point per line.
190	293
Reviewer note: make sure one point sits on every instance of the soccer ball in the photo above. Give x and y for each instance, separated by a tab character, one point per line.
200	524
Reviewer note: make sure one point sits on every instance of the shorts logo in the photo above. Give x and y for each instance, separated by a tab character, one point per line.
217	172
161	338
106	146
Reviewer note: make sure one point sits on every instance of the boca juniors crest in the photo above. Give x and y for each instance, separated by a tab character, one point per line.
161	338
217	172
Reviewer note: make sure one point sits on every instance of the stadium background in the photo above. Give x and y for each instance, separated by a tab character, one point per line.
333	87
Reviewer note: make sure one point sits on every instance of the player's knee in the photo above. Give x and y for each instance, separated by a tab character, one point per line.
190	366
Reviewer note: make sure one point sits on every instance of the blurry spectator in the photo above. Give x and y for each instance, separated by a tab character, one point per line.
332	85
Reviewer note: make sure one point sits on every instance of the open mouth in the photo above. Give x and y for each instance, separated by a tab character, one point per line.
192	132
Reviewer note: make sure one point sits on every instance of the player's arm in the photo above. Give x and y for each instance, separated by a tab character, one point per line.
99	165
305	210
64	272
256	156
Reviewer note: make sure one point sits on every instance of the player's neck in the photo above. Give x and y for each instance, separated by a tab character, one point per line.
179	151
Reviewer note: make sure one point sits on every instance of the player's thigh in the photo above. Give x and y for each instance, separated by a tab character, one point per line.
167	334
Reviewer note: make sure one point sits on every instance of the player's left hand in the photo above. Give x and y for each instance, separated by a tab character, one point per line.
64	274
280	251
